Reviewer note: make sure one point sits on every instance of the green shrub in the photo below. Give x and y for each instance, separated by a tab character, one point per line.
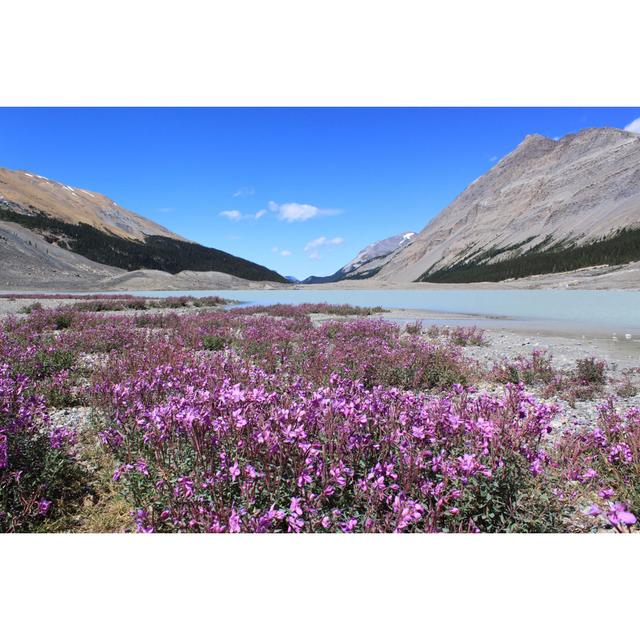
414	328
591	371
62	321
214	343
45	363
626	388
137	304
513	501
36	306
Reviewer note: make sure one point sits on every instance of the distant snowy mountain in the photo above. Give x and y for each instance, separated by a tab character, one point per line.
291	279
368	261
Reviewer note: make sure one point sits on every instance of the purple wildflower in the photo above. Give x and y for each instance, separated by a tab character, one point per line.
234	522
43	506
234	471
184	487
349	525
618	514
594	510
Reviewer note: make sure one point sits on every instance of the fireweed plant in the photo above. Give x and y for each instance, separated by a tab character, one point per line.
275	419
244	450
38	470
583	382
604	464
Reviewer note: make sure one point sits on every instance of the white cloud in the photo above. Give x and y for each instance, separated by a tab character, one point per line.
292	211
233	214
289	212
285	253
634	126
243	192
313	247
297	212
322	241
493	158
236	215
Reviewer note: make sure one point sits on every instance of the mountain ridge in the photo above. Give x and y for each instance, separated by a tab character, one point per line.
570	192
22	191
91	225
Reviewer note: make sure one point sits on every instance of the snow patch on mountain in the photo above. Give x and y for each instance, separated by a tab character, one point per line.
379	249
371	258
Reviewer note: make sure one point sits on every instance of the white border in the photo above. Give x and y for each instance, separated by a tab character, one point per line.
328	53
325	53
328	586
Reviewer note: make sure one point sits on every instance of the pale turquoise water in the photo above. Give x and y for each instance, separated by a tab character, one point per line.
605	311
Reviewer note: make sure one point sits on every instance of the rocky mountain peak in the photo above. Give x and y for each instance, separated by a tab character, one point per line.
576	190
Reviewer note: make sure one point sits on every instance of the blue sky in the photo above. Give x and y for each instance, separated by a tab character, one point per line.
298	190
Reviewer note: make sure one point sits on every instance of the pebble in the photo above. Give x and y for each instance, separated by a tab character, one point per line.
77	418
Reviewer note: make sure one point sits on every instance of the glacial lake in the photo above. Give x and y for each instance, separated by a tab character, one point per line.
602	312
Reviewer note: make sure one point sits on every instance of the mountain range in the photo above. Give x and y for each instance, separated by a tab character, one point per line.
548	206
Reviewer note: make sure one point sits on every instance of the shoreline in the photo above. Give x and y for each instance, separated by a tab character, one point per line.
561	340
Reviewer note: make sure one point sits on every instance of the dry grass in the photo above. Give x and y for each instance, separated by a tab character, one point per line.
102	508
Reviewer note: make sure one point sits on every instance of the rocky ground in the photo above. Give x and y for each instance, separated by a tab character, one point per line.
623	363
16	305
27	262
